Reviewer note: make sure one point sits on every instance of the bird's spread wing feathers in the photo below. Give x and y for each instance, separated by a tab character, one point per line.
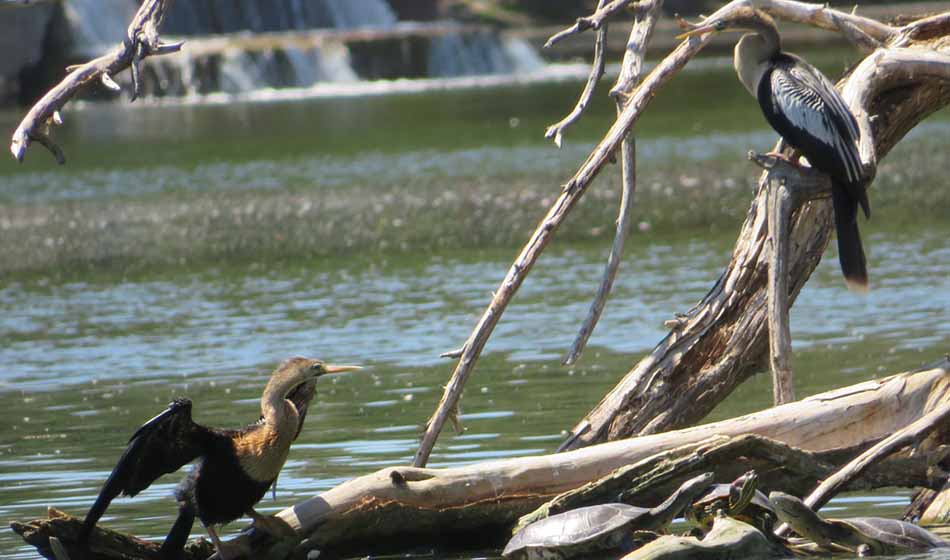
162	445
811	104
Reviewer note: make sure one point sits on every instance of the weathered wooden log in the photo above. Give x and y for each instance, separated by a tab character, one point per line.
105	544
476	505
781	466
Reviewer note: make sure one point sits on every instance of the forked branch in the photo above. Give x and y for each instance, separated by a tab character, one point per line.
626	82
594	21
141	41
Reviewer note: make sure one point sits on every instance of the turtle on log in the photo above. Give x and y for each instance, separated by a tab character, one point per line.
864	535
602	527
741	500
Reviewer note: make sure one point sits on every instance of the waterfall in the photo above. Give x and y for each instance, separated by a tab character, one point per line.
236	46
97	25
204	17
347	14
481	53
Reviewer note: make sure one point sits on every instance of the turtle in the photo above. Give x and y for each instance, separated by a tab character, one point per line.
741	499
864	535
581	531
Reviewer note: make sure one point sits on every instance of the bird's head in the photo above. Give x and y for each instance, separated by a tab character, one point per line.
743	18
296	380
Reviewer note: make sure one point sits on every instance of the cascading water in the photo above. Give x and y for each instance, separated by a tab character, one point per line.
236	46
206	17
97	25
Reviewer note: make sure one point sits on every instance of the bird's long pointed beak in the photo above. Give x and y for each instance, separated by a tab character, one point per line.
331	368
697	31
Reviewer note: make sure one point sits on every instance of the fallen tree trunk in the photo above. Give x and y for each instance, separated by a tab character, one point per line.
404	506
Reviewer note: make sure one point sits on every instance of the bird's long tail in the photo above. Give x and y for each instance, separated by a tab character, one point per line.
174	545
95	512
850	251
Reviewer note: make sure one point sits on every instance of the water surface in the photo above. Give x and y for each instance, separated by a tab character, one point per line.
90	353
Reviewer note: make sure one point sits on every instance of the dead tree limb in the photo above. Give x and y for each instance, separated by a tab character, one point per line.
557	129
627	81
604	11
399	507
723	339
141	41
570	194
782	201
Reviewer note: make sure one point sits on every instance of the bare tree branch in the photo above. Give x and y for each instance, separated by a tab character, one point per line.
626	82
596	72
571	193
141	41
593	21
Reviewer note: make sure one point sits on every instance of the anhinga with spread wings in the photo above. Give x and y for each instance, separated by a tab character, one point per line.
804	107
235	468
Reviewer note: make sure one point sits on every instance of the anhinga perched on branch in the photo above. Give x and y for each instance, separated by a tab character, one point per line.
804	107
235	467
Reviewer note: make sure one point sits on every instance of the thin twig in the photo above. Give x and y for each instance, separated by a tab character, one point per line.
596	72
910	435
627	80
593	21
141	41
572	192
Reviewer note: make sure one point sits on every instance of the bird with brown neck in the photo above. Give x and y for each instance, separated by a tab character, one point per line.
234	468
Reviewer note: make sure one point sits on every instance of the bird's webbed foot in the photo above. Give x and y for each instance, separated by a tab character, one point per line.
272	525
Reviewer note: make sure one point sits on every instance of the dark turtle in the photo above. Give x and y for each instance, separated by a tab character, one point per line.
741	500
865	535
603	527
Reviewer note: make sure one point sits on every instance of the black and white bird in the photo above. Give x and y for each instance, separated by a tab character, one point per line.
801	105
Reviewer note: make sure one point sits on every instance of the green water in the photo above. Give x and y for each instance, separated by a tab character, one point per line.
406	211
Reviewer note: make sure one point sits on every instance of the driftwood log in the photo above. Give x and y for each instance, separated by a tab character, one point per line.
401	507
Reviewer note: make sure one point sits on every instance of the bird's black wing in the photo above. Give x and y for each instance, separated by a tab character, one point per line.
811	104
162	445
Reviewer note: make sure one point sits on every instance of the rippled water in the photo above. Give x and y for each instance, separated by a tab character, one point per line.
87	356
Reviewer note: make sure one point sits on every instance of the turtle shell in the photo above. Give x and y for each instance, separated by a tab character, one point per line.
891	535
573	532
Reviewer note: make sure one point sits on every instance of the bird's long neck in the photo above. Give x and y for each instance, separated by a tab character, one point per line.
262	449
752	55
278	413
